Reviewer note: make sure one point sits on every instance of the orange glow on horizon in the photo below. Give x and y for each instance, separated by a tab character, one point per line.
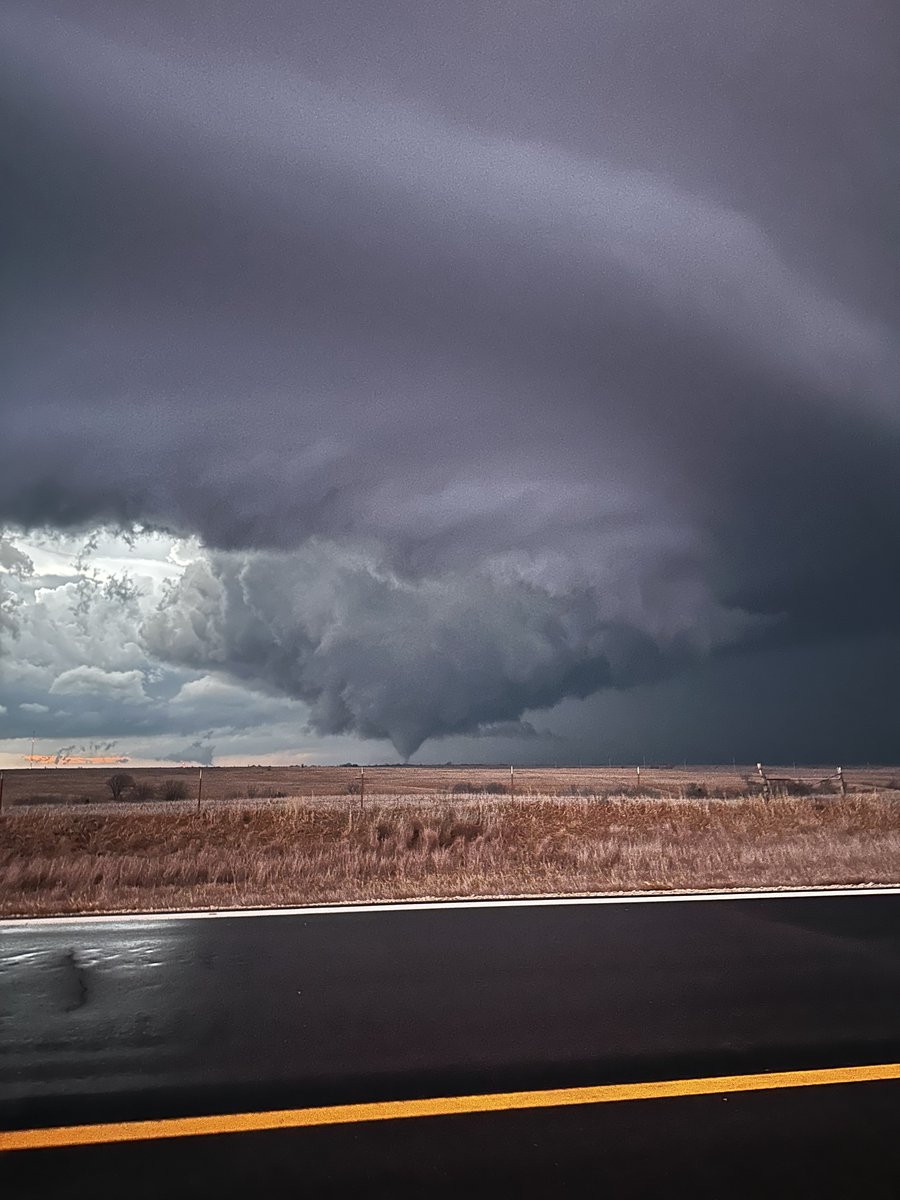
74	760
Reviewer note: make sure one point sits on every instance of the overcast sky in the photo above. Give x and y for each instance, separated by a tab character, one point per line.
505	382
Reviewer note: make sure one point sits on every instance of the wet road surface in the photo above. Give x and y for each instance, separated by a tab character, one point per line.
153	1017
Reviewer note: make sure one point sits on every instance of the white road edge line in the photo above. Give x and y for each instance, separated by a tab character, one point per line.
329	910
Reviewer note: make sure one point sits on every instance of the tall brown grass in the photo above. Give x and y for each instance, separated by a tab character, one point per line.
65	860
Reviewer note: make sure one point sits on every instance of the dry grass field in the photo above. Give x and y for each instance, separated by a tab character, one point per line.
298	836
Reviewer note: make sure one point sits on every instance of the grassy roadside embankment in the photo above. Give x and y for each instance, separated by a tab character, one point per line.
67	859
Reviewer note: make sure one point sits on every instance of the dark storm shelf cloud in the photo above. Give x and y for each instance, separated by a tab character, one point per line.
286	289
374	655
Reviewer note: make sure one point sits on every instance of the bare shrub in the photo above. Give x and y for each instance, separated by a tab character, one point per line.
119	783
173	789
252	792
465	787
694	791
792	787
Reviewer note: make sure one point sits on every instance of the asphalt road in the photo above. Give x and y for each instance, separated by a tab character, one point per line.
149	1017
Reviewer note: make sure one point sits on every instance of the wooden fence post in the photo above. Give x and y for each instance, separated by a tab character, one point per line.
1	791
199	789
512	784
843	785
767	791
362	788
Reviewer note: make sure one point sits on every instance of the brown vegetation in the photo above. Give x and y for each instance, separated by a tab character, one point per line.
301	851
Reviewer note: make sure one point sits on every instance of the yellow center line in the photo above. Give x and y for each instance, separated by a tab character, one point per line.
440	1106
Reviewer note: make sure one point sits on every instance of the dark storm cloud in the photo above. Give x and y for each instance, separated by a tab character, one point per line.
559	328
384	657
200	751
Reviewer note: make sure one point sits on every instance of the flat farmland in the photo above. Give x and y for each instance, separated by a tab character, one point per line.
88	786
290	836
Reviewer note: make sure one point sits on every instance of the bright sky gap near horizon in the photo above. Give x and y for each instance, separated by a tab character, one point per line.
511	382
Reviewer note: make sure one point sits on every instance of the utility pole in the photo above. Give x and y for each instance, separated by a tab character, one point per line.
31	761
